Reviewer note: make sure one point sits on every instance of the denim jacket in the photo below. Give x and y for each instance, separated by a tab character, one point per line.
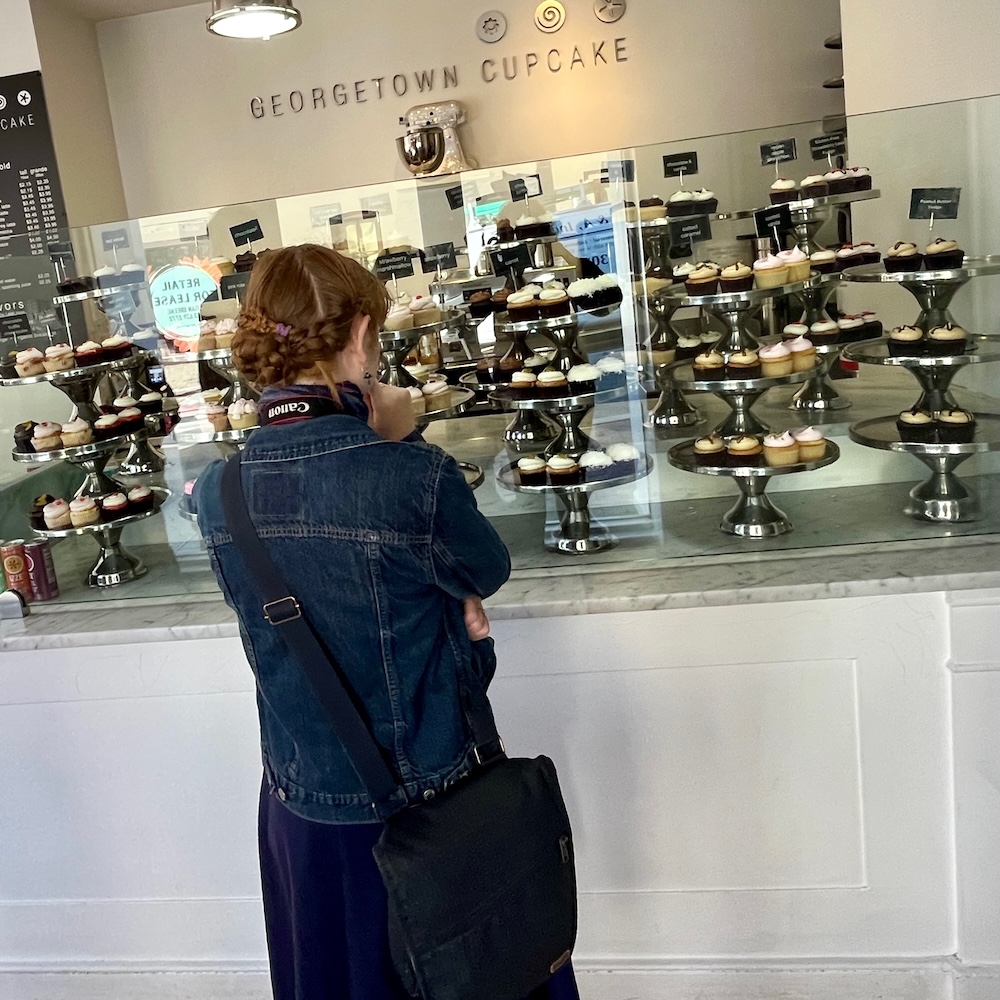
380	541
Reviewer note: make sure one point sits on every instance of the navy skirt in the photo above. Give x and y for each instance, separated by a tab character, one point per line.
326	912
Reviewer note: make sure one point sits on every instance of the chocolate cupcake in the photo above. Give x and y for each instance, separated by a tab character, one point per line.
710	451
837	181
709	366
480	304
583	378
563	470
903	256
860	178
946	341
813	186
552	303
907	342
703	280
140	499
784	190
596	466
522	306
499	300
244	262
23	433
955	426
36	517
736	277
743	365
745	451
532	471
916	426
943	255
688	347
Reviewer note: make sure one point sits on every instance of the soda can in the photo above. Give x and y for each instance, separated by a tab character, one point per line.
41	570
15	568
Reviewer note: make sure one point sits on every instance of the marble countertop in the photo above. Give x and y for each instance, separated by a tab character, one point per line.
864	570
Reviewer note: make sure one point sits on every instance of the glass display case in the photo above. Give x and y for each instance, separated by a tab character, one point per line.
669	444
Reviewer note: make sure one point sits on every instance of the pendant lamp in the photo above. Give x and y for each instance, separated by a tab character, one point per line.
252	18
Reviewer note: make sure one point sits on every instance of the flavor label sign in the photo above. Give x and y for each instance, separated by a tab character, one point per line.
15	326
511	260
246	232
115	239
456	199
398	264
439	255
831	144
695	230
675	164
941	203
766	220
522	188
616	171
178	292
779	151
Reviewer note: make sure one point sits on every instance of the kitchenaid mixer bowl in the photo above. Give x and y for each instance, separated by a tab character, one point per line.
422	150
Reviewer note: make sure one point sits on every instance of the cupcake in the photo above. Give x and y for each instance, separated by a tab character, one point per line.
868	252
498	301
125	402
793	330
525	227
244	262
943	255
217	417
860	178
114	506
437	395
150	402
824	331
76	433
651	209
681	203
524	383
848	256
107	277
83	511
140	499
813	186
225	330
108	426
116	348
47	436
743	365
703	280
563	470
480	304
23	434
916	426
851	328
780	449
907	342
8	366
775	360
955	426
783	190
551	382
36	512
837	181
29	363
625	458
399	317
680	272
704	202
798	264
206	335
532	471
132	274
770	272
130	420
803	354
736	278
242	414
745	451
553	302
872	324
417	399
688	347
710	451
709	366
505	231
812	444
59	358
522	306
545	224
903	256
611	365
823	261
607	291
596	465
947	340
89	353
56	516
425	310
583	378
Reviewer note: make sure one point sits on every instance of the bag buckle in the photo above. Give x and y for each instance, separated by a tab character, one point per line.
282	611
484	758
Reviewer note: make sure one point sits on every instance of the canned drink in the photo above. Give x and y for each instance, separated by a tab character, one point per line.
41	570
15	568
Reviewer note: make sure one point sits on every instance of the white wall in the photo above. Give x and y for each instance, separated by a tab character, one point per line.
18	51
180	97
77	101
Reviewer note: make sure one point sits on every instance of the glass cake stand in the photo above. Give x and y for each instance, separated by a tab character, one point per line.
943	496
753	515
933	290
578	534
91	459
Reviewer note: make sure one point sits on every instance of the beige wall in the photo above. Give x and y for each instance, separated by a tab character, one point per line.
902	53
180	97
78	109
18	51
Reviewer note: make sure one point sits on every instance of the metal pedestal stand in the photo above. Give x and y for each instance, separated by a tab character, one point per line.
560	330
529	433
819	393
810	214
672	411
91	459
753	515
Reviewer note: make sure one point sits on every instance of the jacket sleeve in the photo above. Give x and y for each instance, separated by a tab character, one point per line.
468	557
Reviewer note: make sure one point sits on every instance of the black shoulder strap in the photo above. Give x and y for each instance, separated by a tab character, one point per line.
283	611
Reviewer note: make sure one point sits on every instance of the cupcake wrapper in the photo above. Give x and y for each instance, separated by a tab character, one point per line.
682	209
736	284
702	287
712	460
944	348
944	261
824	267
894	265
531	478
782	197
841	186
908	349
862	183
743	372
955	433
916	433
814	191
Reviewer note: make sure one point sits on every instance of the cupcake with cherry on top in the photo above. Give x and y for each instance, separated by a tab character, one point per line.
781	449
812	444
824	331
803	354
56	515
47	436
823	261
76	433
83	511
797	262
793	330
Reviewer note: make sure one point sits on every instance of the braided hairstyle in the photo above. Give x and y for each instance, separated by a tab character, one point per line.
298	311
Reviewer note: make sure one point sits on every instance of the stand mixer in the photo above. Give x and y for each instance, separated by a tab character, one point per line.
431	147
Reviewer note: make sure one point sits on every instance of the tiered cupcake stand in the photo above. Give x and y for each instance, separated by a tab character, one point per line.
943	497
819	394
672	410
220	360
114	564
397	344
809	215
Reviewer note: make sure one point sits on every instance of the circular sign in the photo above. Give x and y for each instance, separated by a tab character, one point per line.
491	26
178	292
609	11
550	16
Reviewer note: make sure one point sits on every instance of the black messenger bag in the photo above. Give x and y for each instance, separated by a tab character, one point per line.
481	878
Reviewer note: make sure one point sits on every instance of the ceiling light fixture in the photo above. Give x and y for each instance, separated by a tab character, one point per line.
252	18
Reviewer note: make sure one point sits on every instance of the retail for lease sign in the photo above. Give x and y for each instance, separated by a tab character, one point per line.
178	292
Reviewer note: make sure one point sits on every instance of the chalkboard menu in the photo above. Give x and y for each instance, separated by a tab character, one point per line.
31	203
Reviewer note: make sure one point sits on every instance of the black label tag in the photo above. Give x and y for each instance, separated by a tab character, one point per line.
115	239
456	199
379	203
780	151
286	411
399	264
831	144
247	232
522	188
942	202
511	260
693	230
235	285
615	171
320	215
675	164
439	255
766	220
15	325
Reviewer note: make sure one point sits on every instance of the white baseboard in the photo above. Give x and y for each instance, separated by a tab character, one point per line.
940	979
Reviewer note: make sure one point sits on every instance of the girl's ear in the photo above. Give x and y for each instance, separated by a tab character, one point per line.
358	343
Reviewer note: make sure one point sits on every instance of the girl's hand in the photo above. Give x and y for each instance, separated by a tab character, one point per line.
476	622
391	414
